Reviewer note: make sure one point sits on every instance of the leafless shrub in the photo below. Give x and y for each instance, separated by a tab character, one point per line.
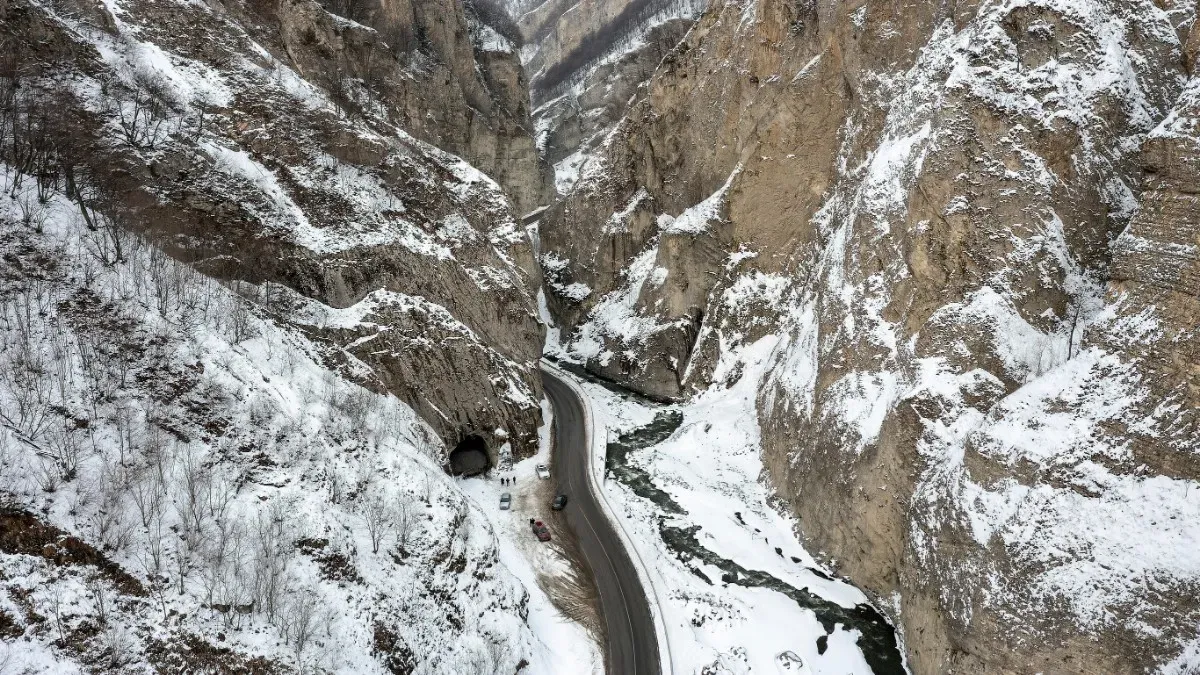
226	586
46	474
150	555
28	140
34	212
192	482
109	524
100	599
148	493
25	374
335	484
376	512
118	645
497	651
303	618
403	524
141	109
56	610
183	549
427	489
108	235
239	319
271	552
356	403
65	447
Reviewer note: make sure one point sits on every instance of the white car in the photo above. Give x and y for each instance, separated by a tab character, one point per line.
505	501
542	471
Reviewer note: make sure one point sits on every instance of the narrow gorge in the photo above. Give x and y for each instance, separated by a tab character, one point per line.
887	314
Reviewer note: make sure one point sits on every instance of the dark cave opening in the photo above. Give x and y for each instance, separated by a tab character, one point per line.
470	457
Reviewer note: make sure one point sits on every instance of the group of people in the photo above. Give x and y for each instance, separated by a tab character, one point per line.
508	480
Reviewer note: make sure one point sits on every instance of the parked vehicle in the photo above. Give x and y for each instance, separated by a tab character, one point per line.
539	530
560	501
505	501
542	471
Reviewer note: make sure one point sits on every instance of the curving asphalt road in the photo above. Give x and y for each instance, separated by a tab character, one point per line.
632	645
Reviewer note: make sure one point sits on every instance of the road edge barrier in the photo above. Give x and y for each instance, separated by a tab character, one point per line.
599	440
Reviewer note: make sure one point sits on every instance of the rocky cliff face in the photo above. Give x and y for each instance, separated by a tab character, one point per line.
585	60
437	70
287	146
250	299
964	229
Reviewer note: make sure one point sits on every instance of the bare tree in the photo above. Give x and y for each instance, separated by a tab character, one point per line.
239	321
147	490
150	556
56	609
141	110
100	600
108	523
24	377
300	622
192	484
66	449
403	519
272	551
109	224
335	483
376	513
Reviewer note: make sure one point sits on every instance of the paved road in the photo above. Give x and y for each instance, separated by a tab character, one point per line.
632	646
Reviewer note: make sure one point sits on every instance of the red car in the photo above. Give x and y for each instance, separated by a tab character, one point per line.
540	530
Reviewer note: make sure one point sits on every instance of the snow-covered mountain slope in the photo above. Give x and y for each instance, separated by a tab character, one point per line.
969	228
189	483
283	144
249	302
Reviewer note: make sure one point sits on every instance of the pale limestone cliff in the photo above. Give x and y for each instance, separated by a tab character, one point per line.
964	228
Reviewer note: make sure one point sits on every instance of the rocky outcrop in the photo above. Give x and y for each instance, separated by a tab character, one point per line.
270	144
965	233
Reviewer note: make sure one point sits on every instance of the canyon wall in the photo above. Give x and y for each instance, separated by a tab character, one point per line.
962	227
298	150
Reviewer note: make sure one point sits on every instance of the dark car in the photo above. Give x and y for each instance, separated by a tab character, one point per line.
559	502
539	529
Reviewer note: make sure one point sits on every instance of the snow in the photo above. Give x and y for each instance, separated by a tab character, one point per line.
271	432
808	67
619	220
1025	351
568	648
1034	425
864	401
885	184
696	218
616	316
567	171
287	217
553	267
485	38
711	467
139	63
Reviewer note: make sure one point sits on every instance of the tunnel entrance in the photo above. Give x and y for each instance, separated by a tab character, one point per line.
469	457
